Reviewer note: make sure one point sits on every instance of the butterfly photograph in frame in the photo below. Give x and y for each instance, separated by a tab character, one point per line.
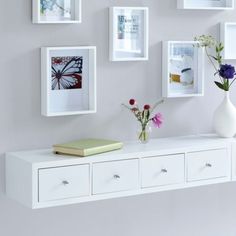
66	72
68	80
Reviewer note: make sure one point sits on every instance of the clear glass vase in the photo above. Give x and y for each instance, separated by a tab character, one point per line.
144	132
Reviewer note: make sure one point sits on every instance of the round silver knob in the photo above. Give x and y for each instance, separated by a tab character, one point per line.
164	170
208	165
65	182
116	177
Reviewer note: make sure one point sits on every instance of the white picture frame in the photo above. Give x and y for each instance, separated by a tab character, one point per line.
228	38
68	80
128	33
58	12
206	4
183	69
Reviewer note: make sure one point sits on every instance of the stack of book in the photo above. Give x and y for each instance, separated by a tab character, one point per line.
87	147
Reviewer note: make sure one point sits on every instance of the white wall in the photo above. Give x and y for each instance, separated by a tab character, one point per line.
206	211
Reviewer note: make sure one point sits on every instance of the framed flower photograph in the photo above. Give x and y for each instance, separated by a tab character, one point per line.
183	69
128	33
56	11
68	80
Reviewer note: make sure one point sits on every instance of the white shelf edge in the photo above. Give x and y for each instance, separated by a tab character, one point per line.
57	22
182	5
131	59
54	114
208	8
185	95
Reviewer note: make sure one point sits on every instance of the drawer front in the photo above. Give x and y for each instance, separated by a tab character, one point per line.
163	170
234	161
63	182
115	176
207	165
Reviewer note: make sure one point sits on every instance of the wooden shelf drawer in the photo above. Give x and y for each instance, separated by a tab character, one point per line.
63	182
115	176
205	165
162	170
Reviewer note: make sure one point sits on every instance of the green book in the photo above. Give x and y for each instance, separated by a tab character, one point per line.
87	147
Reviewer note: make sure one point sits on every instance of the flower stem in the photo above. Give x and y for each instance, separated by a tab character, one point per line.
211	61
232	82
156	104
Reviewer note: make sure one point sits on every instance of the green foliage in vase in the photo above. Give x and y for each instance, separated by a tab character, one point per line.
224	72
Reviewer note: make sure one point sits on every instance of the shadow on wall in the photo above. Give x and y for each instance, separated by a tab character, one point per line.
153	80
101	39
31	81
2	175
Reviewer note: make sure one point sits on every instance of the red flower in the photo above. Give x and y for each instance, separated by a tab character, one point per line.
146	107
132	102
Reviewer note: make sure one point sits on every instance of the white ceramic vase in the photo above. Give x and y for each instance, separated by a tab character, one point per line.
224	120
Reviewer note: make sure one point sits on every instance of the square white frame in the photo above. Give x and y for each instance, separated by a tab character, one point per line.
46	82
166	91
206	4
37	18
228	38
113	33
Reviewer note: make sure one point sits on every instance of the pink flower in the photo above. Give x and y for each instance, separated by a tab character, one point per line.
157	120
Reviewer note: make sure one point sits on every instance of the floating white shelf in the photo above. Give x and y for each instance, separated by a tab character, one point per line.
67	14
206	4
183	69
68	80
228	38
40	179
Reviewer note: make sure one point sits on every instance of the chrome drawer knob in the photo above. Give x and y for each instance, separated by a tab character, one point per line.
116	177
65	182
208	165
164	170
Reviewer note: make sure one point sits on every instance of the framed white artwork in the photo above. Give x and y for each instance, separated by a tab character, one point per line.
183	69
68	80
128	33
57	11
228	38
206	4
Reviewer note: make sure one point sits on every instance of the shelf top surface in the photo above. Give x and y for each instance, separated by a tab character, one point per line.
130	150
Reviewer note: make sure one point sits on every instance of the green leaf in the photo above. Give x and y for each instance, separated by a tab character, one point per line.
221	46
218	84
148	114
215	58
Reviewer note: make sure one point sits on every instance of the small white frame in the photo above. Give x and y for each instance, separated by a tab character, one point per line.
137	49
206	4
228	38
192	85
75	18
68	101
